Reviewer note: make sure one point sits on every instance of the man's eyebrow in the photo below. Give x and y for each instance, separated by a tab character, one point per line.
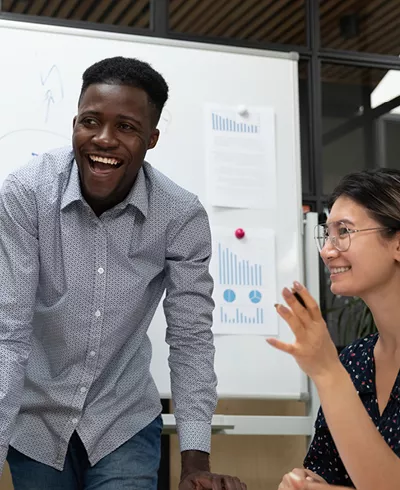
90	113
130	118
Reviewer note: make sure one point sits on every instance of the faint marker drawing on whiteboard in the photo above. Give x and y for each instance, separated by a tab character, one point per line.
240	154
54	90
244	282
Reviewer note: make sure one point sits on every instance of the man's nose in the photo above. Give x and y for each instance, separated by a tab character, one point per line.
105	137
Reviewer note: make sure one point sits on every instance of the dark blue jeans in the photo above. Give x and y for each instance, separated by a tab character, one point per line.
132	466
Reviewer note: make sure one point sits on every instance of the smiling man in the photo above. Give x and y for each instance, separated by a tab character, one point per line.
90	238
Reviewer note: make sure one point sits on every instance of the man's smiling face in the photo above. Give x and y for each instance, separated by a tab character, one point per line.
112	132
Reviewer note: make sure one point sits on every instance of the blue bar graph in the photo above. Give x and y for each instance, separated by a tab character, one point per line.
237	316
234	271
220	123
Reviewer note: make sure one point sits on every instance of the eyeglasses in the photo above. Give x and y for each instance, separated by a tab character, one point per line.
338	234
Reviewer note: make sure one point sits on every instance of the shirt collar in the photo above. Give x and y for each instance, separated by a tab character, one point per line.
72	191
137	196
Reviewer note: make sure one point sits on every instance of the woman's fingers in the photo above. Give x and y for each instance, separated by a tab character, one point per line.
283	346
291	319
311	307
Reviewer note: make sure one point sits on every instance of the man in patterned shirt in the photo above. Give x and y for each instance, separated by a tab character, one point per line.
90	238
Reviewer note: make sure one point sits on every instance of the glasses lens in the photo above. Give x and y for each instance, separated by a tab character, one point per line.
341	236
336	232
320	236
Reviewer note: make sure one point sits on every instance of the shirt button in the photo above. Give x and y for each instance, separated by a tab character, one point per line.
92	353
83	389
98	313
74	421
100	270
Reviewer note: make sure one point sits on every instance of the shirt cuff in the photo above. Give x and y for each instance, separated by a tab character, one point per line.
194	436
3	457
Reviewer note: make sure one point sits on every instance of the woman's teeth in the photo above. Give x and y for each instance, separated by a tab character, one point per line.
337	270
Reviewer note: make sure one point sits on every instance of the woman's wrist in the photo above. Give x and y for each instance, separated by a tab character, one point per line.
331	377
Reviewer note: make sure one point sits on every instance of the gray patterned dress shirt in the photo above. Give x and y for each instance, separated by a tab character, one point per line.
77	295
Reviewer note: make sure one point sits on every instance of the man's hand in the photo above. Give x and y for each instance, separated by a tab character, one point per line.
204	480
196	474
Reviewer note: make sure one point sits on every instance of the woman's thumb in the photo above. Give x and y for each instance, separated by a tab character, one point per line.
297	482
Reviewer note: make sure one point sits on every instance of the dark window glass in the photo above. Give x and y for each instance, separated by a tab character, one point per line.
280	22
118	12
354	100
361	26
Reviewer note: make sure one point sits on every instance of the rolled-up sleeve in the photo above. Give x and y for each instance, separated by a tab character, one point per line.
188	309
19	271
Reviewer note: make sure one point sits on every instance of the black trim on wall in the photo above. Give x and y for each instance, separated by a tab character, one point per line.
160	17
357	58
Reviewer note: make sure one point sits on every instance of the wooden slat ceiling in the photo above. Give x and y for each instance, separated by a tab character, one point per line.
354	25
117	12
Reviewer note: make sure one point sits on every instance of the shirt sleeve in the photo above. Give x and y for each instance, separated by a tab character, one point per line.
188	309
19	270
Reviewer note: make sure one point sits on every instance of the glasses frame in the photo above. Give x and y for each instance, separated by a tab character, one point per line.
350	232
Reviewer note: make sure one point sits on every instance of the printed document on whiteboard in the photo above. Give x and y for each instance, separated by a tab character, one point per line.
240	157
244	282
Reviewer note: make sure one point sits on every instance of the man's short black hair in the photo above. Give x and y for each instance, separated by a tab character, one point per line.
132	72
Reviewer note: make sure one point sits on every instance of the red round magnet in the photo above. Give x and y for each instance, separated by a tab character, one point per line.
239	233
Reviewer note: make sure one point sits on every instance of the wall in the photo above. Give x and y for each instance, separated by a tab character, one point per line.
5	481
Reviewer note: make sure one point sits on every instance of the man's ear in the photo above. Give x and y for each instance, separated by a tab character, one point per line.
73	122
153	138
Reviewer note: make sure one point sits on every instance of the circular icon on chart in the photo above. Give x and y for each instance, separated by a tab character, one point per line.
229	295
255	296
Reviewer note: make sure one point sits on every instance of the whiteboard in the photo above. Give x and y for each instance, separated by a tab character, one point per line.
41	70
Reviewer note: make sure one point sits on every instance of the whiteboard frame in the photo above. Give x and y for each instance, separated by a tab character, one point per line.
303	393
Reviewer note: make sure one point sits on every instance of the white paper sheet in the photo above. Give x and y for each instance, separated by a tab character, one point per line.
240	155
244	282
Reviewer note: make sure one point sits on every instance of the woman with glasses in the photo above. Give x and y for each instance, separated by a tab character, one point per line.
357	431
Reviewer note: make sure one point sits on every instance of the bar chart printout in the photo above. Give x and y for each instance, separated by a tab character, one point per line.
245	283
240	156
220	123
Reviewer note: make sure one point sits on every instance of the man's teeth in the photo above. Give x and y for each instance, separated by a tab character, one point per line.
336	270
109	161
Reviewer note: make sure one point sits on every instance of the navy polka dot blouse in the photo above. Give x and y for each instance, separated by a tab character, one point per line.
323	457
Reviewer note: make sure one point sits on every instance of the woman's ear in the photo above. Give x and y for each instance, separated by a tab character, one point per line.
396	246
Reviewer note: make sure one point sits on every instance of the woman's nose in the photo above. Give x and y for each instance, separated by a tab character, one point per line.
329	250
